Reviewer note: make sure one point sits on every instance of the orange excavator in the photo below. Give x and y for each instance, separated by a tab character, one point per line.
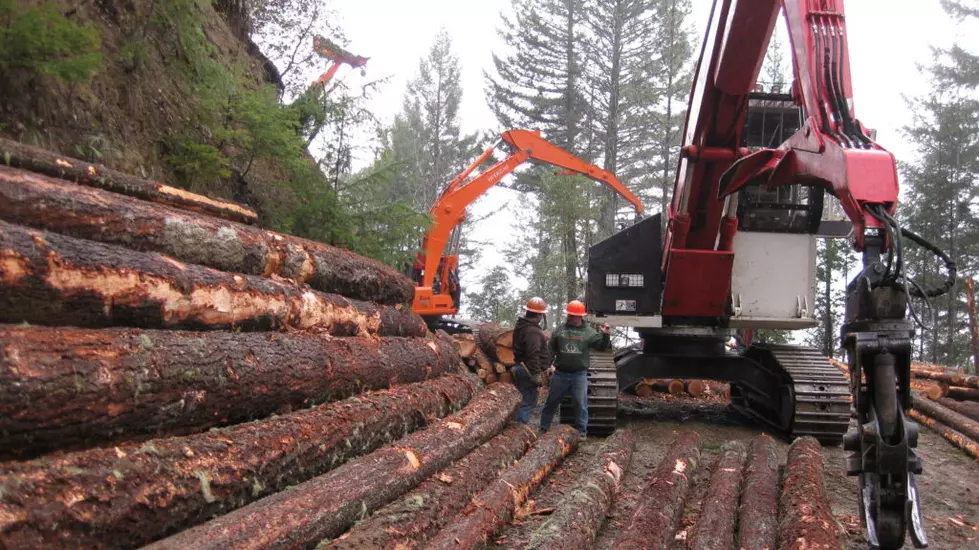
330	50
435	271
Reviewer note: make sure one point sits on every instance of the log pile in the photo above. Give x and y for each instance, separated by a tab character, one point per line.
956	421
172	375
698	389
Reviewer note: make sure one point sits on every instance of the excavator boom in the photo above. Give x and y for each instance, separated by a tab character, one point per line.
437	291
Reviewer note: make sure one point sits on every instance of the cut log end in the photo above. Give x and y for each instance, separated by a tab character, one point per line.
696	388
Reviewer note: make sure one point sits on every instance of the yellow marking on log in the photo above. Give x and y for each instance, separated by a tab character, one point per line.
194	197
63	163
413	459
120	453
73	497
176	263
453	425
92	171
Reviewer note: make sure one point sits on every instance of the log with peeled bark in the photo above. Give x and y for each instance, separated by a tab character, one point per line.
326	506
807	521
411	520
51	279
960	423
67	388
967	445
496	342
962	394
960	380
92	174
758	511
715	529
654	522
44	203
496	505
127	496
968	409
580	515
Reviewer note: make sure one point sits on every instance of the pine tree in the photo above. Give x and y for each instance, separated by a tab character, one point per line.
496	301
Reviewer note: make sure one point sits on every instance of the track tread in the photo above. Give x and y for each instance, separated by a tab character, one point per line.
603	396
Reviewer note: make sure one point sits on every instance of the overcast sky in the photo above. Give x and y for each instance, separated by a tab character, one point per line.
887	39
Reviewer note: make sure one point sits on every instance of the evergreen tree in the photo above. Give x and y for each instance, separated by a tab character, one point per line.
496	301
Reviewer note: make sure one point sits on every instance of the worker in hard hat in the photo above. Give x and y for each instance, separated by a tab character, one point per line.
530	354
570	346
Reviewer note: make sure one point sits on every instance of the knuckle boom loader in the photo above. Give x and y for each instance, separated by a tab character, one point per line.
739	252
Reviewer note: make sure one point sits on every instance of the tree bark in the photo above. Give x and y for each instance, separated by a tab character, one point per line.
963	394
97	215
950	418
580	515
655	520
807	520
490	336
973	328
758	512
410	521
68	388
495	506
127	496
51	279
967	445
968	409
715	529
326	506
91	174
950	379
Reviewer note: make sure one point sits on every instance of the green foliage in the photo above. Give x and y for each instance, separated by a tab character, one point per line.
497	301
42	41
194	161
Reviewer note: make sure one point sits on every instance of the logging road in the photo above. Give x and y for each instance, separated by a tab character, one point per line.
948	486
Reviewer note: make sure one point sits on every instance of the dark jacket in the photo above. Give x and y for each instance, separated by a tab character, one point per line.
571	347
530	346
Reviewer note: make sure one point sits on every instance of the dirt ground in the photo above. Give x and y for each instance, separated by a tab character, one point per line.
949	485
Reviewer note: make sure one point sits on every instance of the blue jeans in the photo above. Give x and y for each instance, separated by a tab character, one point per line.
528	390
562	383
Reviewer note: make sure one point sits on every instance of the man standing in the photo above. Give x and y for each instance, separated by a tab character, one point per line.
570	345
531	356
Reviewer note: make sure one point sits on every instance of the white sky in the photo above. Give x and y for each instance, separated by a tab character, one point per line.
887	39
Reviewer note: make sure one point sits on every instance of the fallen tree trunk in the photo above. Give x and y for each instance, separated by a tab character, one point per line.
963	394
67	388
719	513
97	215
491	337
655	520
50	279
967	445
758	512
950	418
410	521
326	506
968	409
495	506
580	515
127	496
91	174
950	379
807	520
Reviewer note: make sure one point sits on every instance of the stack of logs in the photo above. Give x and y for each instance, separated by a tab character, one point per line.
171	374
488	352
694	388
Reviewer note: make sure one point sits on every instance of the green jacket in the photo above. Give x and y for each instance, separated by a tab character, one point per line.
570	346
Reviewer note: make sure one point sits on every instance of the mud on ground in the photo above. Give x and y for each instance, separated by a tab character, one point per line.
949	485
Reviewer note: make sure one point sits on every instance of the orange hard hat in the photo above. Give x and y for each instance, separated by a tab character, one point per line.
536	304
576	308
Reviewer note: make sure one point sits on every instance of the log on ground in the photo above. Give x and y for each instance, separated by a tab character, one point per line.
97	215
495	506
715	529
960	423
68	388
758	511
127	496
963	394
580	515
466	344
960	380
51	279
92	174
696	388
411	520
326	506
654	522
967	445
968	409
675	387
807	521
490	338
